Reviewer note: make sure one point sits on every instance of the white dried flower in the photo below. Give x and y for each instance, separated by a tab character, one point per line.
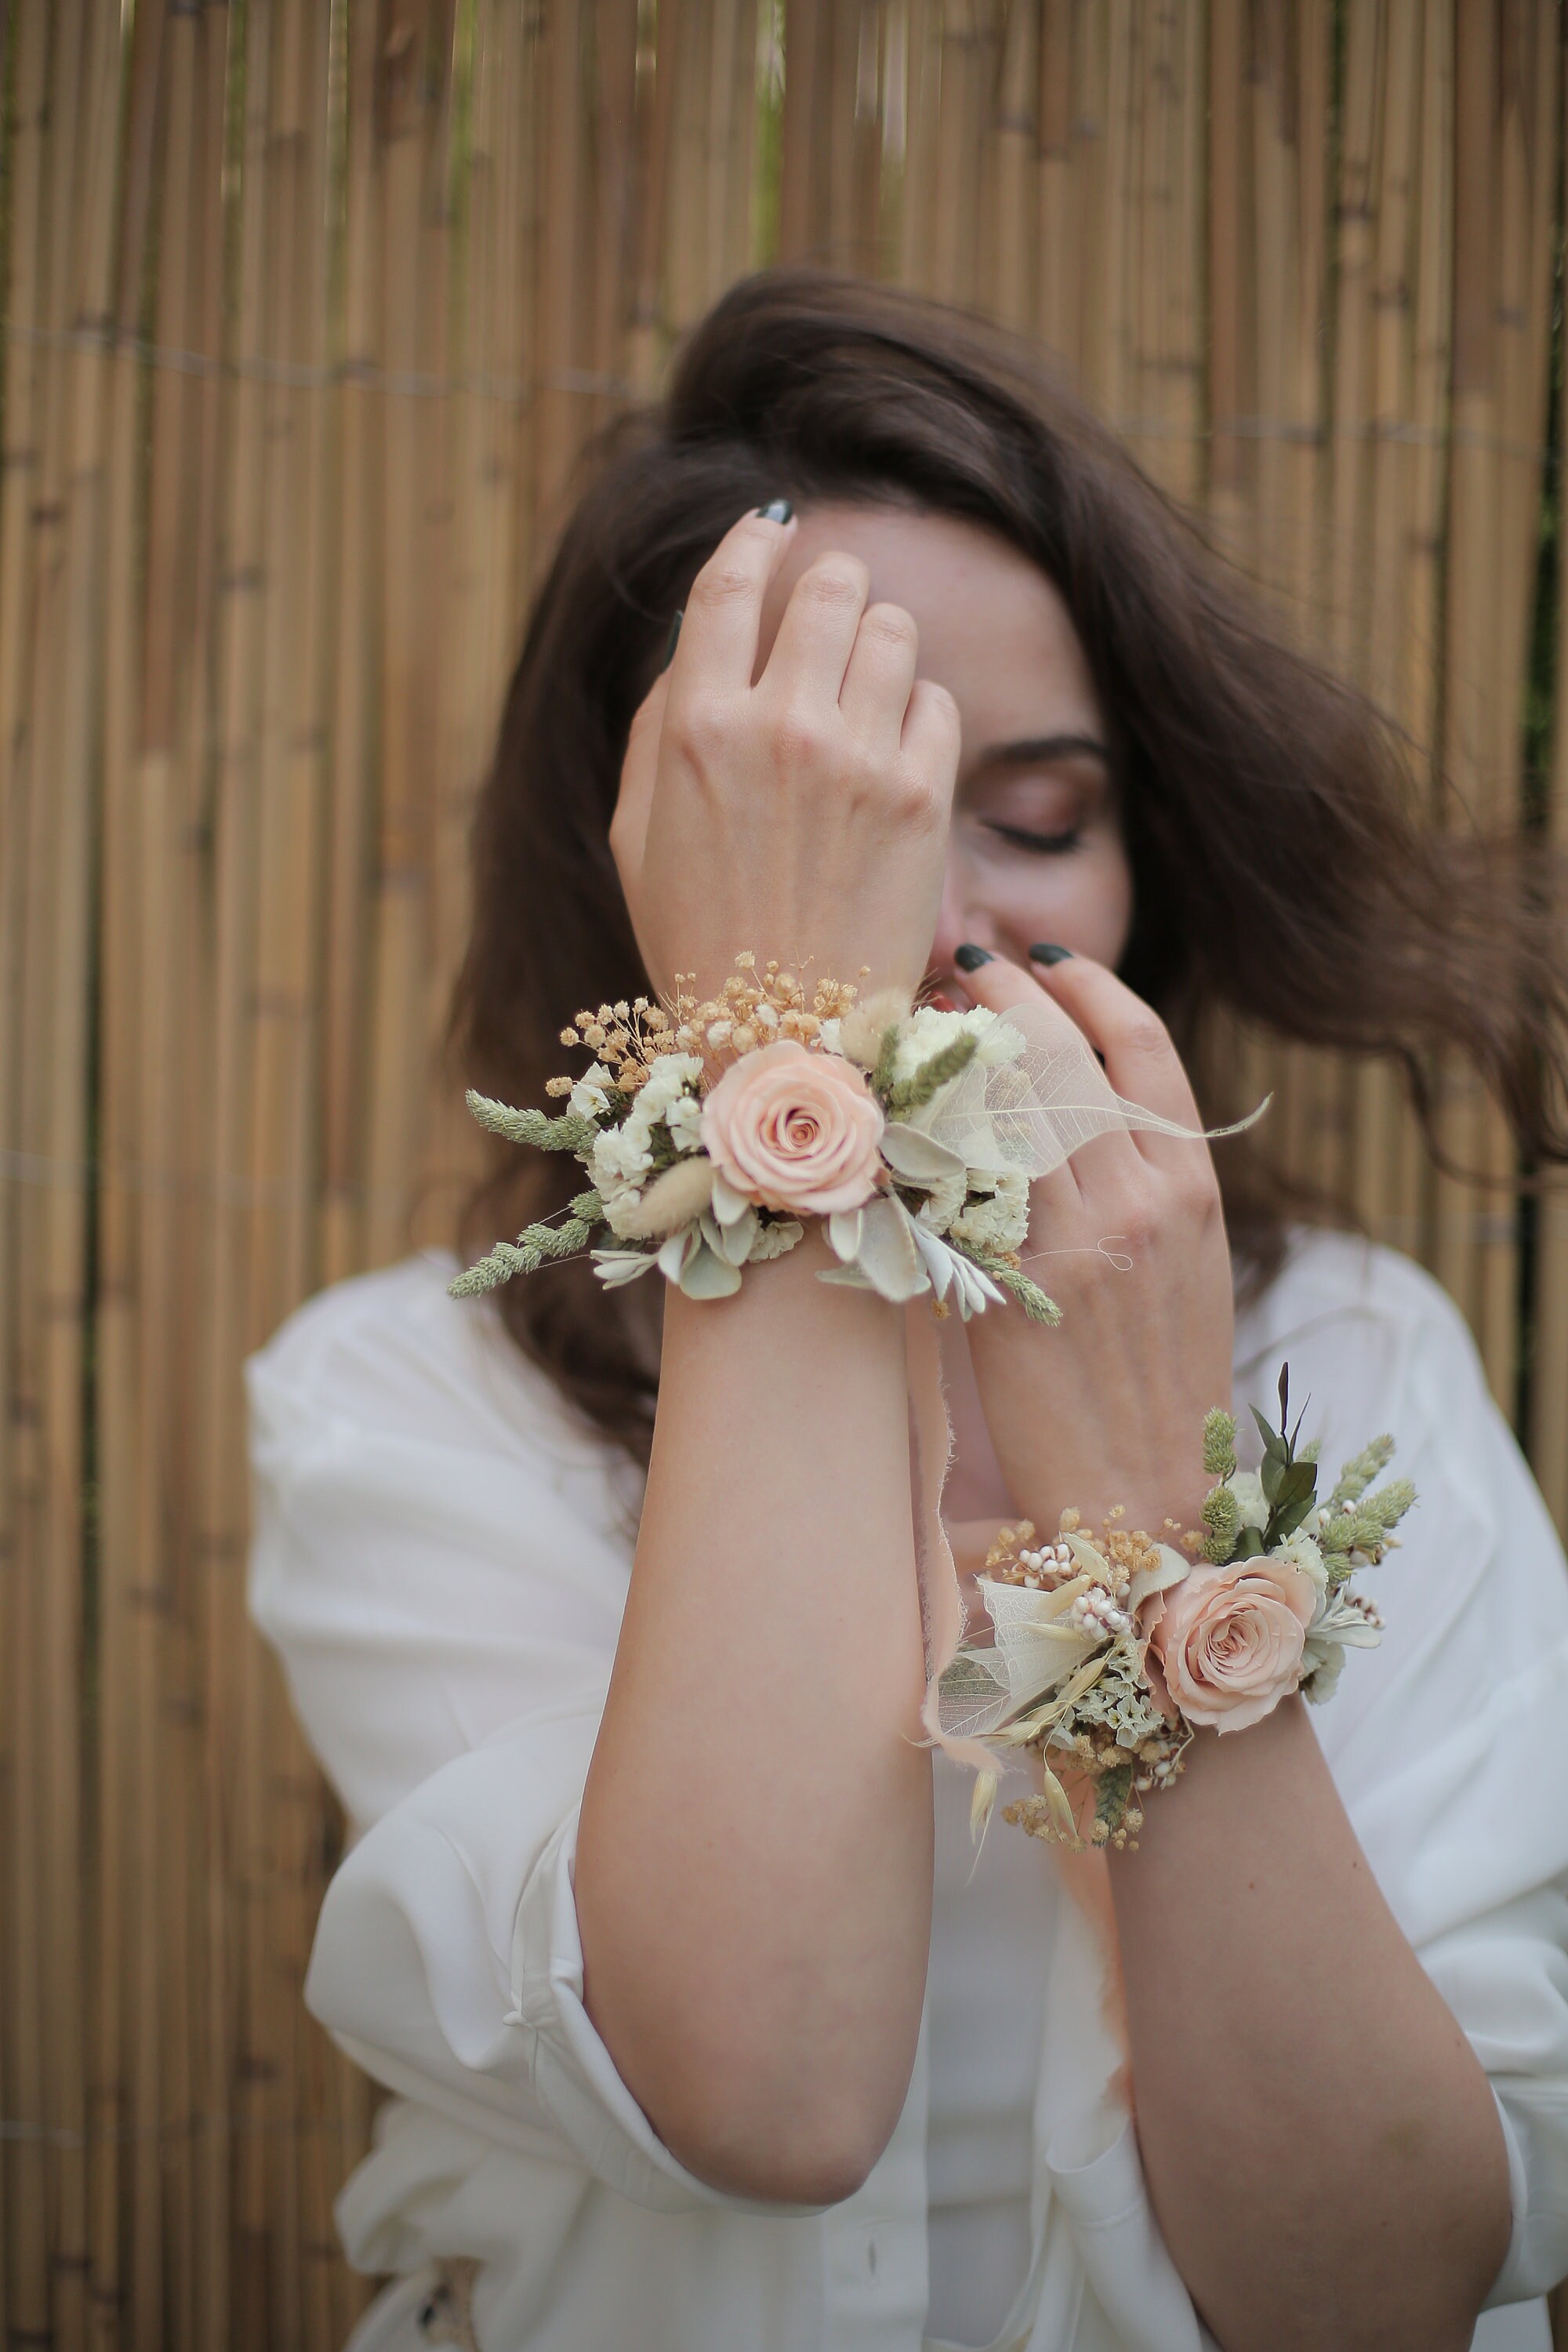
1302	1552
619	1163
1251	1503
684	1121
589	1098
931	1031
942	1202
999	1219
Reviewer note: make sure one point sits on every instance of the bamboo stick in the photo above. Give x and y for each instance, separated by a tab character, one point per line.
83	124
1387	1172
1056	307
1504	163
30	295
685	266
1228	350
1547	1435
355	660
807	33
289	890
1016	141
168	781
923	57
412	311
240	1926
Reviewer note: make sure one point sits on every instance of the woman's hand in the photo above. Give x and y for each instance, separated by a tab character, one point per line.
1108	1408
805	815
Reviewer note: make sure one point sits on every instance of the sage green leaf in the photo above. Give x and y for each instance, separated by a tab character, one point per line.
912	1153
1295	1493
706	1275
1273	1444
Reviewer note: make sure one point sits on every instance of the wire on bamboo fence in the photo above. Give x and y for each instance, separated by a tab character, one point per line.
308	308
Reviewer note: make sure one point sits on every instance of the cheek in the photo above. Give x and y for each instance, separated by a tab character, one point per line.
1082	901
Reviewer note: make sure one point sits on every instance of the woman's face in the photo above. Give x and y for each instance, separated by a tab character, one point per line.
1036	851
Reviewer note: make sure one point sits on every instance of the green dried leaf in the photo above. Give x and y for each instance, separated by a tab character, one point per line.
1219	1442
1295	1494
1221	1517
1390	1503
1036	1306
887	1057
570	1132
906	1094
1361	1470
1274	1445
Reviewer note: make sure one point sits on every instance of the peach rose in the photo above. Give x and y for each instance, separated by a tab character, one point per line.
1229	1640
794	1131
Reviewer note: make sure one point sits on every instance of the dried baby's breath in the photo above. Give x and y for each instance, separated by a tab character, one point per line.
755	1008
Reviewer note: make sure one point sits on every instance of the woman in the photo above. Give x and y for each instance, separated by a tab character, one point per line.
640	1926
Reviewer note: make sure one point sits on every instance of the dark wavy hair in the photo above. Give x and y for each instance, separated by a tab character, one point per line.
1281	865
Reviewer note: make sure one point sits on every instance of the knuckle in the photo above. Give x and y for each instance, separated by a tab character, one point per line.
721	583
701	729
800	738
889	626
908	795
1139	1225
936	712
1204	1180
1144	1033
836	580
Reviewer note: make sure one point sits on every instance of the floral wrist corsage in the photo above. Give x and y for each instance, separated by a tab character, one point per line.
1108	1652
714	1132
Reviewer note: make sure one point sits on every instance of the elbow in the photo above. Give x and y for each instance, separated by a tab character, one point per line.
797	2159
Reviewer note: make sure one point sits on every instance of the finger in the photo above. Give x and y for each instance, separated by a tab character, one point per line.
628	827
717	644
816	635
880	677
1003	988
931	736
1141	1060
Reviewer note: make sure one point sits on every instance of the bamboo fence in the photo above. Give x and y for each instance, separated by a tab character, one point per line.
308	307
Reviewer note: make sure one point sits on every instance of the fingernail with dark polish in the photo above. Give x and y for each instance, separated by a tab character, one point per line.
674	639
1046	953
970	958
776	510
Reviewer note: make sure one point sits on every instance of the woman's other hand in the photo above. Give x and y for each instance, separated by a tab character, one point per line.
800	811
1128	1238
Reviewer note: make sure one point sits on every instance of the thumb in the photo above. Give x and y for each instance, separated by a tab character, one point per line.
634	804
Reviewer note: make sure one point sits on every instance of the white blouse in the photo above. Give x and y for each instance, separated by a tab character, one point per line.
441	1560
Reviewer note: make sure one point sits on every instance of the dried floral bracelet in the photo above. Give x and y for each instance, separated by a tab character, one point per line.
1108	1652
714	1131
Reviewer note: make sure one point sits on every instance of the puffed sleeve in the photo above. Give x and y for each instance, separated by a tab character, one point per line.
1449	1743
441	1561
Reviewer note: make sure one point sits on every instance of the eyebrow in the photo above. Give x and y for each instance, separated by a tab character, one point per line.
1031	750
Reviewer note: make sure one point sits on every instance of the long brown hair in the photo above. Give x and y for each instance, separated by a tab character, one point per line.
1280	866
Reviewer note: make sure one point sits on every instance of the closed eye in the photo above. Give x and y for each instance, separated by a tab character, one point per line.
1044	844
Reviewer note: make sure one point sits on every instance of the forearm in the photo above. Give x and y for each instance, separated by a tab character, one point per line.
1321	2144
753	1871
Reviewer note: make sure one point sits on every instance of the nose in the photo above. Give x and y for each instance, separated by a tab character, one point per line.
961	916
